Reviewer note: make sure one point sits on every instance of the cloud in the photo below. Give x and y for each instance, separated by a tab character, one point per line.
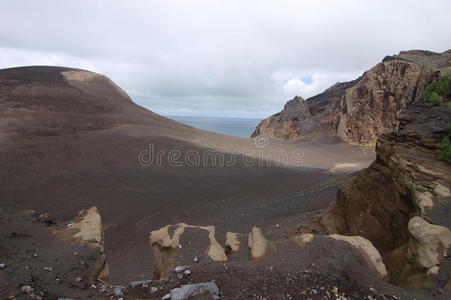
317	83
227	58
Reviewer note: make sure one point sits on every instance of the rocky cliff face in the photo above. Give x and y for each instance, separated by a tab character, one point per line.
361	110
300	117
372	106
401	203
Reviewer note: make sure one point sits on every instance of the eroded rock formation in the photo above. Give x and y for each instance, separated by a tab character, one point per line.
372	106
171	256
361	110
401	203
165	247
86	228
257	243
369	252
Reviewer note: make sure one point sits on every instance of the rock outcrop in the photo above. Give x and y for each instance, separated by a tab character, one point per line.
361	110
174	246
428	243
166	247
401	203
369	252
257	243
371	255
372	106
300	117
437	61
86	229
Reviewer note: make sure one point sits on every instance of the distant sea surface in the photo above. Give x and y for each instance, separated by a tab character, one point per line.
231	126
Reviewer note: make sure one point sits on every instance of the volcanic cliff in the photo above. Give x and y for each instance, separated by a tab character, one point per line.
361	110
402	202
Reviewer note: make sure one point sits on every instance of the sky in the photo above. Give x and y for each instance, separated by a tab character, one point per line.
219	58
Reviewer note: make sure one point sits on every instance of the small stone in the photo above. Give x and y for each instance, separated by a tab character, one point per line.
78	279
179	276
26	289
2	265
43	216
373	290
187	272
180	269
35	255
166	297
75	253
185	291
48	269
139	283
118	291
196	259
153	289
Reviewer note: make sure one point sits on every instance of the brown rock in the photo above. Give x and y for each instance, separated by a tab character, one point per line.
404	186
300	117
372	106
361	110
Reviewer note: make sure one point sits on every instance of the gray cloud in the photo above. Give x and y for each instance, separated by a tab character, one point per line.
223	58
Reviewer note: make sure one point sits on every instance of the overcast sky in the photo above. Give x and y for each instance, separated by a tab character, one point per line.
219	58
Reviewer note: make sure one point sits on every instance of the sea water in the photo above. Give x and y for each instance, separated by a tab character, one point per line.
231	126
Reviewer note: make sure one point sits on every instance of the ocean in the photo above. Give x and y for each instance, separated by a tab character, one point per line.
232	126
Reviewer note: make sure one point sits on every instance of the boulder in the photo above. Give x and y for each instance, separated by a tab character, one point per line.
368	251
257	243
428	243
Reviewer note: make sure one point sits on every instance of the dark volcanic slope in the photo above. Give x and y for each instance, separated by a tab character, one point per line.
70	139
52	101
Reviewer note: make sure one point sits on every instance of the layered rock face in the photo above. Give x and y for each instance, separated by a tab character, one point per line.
401	203
300	117
361	110
437	61
372	106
